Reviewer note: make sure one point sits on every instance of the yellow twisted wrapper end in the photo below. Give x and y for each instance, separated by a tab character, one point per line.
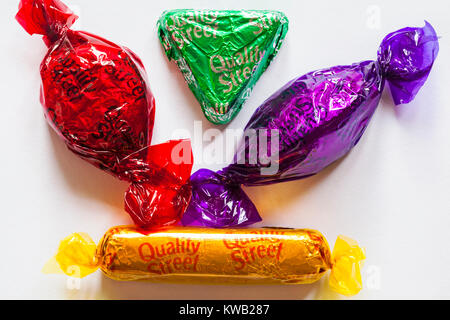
345	277
76	257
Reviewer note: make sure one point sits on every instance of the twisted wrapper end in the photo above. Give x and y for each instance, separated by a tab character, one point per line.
347	256
49	18
76	257
160	192
407	57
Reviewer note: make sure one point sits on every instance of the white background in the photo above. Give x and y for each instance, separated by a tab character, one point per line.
391	193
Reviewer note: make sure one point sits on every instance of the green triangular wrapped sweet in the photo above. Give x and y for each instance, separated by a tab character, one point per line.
222	54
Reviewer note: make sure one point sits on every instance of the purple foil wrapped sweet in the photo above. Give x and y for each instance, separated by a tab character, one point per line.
317	118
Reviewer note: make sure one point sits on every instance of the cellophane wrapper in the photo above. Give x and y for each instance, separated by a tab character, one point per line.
308	124
96	97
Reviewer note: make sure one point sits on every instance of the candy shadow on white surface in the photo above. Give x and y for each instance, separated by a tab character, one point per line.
116	290
270	199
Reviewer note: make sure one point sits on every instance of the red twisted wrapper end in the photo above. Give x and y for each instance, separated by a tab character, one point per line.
47	17
160	196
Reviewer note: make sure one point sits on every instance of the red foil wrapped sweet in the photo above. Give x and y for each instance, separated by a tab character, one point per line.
96	97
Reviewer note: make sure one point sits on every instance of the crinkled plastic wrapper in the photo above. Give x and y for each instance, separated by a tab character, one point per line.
96	96
268	255
310	123
222	53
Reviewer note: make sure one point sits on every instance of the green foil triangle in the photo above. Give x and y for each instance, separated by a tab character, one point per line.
222	54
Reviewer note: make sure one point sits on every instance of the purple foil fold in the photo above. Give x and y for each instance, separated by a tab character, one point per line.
223	204
319	118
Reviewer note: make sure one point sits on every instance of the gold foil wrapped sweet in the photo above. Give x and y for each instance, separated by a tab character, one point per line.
267	255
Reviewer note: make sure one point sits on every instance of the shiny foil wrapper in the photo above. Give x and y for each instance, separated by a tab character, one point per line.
310	123
222	53
237	255
214	256
96	97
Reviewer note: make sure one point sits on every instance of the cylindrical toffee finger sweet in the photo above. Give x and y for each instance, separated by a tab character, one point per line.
267	255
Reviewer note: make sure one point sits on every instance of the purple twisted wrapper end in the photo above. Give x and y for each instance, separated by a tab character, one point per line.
318	118
407	57
217	203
